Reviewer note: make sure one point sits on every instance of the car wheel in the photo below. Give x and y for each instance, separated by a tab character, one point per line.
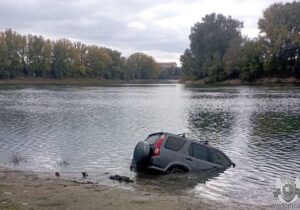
141	151
175	170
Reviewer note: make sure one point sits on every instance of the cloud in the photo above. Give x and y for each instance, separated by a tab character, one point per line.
137	25
159	28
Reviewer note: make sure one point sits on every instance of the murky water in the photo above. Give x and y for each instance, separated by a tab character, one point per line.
95	129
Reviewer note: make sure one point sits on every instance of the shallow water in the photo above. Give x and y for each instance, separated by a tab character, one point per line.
95	129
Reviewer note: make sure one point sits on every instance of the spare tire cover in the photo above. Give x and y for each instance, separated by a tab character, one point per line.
141	151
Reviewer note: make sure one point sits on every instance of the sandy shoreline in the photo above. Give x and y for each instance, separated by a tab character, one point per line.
20	190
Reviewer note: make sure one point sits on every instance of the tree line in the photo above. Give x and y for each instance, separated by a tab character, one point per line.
218	51
35	56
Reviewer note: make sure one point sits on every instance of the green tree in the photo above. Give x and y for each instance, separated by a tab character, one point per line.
4	58
47	58
98	61
231	58
13	43
117	65
62	59
189	69
210	40
215	69
280	30
22	51
39	56
141	66
250	61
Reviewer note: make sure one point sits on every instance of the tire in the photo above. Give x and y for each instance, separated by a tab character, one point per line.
141	152
176	170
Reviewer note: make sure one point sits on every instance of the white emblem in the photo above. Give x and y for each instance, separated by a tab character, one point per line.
287	190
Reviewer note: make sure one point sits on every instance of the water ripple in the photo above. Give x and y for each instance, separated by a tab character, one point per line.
96	129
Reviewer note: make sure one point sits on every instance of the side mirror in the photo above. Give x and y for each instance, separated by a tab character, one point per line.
233	165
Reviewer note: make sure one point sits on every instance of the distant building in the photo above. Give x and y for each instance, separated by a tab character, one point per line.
167	65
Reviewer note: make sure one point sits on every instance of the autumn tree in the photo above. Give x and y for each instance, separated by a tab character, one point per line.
35	56
141	66
80	59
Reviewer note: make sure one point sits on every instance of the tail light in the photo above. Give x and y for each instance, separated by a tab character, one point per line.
157	145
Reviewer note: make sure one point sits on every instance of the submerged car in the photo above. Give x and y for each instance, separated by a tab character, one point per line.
170	153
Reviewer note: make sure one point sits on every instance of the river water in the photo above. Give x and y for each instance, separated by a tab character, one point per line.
95	129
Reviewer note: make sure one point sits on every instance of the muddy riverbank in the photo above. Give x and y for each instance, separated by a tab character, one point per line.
20	190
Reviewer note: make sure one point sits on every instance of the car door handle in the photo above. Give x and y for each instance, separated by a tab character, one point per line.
190	159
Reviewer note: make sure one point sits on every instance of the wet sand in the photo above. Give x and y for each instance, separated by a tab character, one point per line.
20	190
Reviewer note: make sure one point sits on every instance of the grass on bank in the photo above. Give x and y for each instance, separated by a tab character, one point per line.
237	82
66	81
23	81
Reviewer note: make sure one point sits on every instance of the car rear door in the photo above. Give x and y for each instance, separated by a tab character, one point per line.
171	151
197	157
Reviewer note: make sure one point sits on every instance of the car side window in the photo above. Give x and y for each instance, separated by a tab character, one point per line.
198	151
218	158
174	143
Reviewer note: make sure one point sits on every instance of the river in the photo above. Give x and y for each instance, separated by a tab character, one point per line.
95	129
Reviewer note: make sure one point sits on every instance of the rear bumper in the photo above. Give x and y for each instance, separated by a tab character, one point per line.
146	166
133	166
156	168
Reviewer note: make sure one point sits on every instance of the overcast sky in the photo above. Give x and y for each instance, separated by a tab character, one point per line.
157	27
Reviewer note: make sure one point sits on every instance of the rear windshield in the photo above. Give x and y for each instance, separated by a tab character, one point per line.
174	143
153	138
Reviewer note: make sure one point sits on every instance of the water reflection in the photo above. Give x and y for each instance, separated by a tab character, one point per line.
210	126
96	128
259	129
